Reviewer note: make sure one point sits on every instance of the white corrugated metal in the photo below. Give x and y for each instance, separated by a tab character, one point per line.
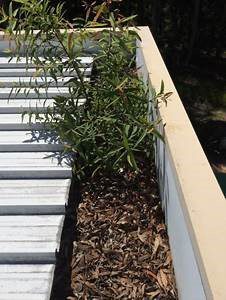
34	180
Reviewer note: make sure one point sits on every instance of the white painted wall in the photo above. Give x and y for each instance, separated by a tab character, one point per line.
188	279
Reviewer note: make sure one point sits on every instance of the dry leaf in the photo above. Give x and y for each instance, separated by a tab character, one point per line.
122	250
162	279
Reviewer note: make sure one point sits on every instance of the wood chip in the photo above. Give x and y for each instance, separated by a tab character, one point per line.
122	250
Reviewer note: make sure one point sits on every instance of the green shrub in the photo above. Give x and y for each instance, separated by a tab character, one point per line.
111	131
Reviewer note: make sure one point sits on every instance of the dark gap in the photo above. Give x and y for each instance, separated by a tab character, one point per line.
61	287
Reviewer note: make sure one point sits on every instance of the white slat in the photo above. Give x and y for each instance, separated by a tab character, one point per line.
32	81
34	180
27	238
32	93
29	282
40	196
17	122
14	234
32	72
26	284
49	159
54	184
32	165
35	221
28	141
33	205
41	232
36	252
37	187
32	172
22	296
6	62
15	106
47	268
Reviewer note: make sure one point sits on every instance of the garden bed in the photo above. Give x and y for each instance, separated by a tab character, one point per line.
121	240
122	249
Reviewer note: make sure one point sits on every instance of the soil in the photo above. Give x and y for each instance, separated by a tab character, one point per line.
122	249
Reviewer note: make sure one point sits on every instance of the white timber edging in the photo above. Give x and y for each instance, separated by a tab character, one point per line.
34	179
195	207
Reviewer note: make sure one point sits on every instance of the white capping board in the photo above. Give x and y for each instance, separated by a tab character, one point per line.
202	201
14	106
8	62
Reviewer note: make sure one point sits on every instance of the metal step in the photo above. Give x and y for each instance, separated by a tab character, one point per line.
24	222
13	141
33	72
34	196
14	106
33	93
20	165
19	122
6	82
22	62
26	282
34	179
30	238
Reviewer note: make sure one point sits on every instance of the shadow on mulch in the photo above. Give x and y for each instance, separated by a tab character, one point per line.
62	276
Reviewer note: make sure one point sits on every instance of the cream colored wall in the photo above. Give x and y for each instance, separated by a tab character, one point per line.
200	198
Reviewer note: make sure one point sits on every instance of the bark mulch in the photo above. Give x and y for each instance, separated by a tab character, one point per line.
122	249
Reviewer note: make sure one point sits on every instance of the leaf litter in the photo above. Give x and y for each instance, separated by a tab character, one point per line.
122	248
